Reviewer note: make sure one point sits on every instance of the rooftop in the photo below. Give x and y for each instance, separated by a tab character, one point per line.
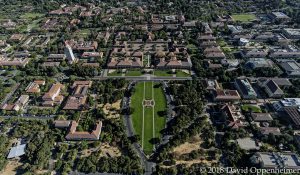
16	151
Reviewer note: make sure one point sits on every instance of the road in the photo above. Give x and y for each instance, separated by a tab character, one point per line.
41	117
146	77
149	166
143	78
171	107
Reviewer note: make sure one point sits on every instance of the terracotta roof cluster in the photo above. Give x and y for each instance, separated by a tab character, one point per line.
53	96
261	117
5	61
214	52
178	59
18	105
84	135
122	59
234	117
83	45
226	95
62	123
92	54
79	97
34	87
270	130
16	37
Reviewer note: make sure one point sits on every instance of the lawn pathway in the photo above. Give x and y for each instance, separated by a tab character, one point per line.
143	116
153	120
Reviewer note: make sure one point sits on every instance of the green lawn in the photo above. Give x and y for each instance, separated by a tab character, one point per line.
168	73
134	73
115	73
137	116
244	17
163	73
160	105
83	33
181	74
248	108
31	15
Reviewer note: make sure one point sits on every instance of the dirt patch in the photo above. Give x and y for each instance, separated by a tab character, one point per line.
109	151
86	152
111	110
187	147
11	167
191	162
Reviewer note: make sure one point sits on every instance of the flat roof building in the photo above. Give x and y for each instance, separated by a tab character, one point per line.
245	89
291	33
277	160
291	67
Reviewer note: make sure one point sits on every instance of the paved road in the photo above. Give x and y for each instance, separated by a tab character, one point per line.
165	138
146	77
149	166
41	117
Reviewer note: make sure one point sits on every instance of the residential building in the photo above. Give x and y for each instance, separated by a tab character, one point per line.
233	116
235	29
284	53
245	89
281	82
57	57
84	135
272	89
34	87
270	130
261	117
291	67
214	53
82	46
291	33
254	53
243	42
16	38
18	105
279	17
51	64
79	97
286	102
87	55
53	97
254	63
62	123
212	84
13	61
69	54
226	95
293	113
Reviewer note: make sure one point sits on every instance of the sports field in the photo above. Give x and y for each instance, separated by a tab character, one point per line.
148	102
